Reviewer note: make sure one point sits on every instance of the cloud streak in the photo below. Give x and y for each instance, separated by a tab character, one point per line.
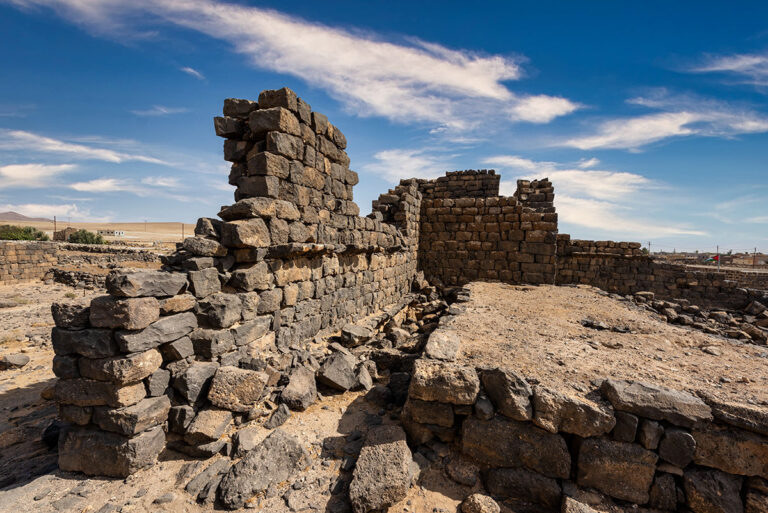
411	81
31	176
160	110
14	140
193	72
750	68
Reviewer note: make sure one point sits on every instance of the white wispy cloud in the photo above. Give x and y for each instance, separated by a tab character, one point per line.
612	202
50	210
31	175
757	219
587	163
750	68
396	164
103	185
160	110
161	181
409	81
193	72
16	140
681	115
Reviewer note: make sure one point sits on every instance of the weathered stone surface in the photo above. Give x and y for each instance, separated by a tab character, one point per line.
744	416
500	442
236	389
443	382
211	343
157	382
338	371
650	434
145	283
521	483
93	343
443	345
219	310
167	329
260	207
179	418
383	472
573	506
354	335
622	470
204	283
178	349
100	453
13	361
555	411
177	304
284	97
462	470
194	382
278	417
626	426
509	392
80	415
656	402
427	412
245	233
208	426
66	367
711	491
204	247
246	439
663	493
133	419
86	392
71	314
479	503
757	502
732	451
129	314
252	330
301	391
677	447
273	119
122	370
274	460
257	276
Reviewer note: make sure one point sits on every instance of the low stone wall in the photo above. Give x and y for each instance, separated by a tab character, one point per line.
496	238
622	268
22	261
635	442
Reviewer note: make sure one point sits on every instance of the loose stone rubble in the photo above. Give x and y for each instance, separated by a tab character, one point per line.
291	294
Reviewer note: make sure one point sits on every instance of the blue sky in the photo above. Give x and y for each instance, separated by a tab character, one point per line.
651	118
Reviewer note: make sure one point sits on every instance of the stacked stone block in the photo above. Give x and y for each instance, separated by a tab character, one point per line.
640	443
25	261
471	183
494	238
538	195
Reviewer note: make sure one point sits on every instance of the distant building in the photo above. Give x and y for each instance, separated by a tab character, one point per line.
111	233
63	235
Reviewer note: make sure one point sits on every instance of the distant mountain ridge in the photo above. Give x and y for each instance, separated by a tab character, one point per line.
15	216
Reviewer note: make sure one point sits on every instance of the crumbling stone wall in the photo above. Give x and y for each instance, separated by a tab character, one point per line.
510	239
470	183
641	443
22	261
211	338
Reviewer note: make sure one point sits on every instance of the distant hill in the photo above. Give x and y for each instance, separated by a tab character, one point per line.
18	218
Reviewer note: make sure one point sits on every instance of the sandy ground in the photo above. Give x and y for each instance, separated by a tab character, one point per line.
537	332
134	232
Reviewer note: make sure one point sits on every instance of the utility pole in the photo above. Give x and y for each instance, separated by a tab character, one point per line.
754	259
54	224
649	248
718	258
182	231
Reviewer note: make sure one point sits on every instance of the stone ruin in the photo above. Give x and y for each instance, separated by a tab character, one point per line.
241	315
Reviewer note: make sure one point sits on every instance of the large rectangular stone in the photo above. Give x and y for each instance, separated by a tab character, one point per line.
620	469
145	283
732	450
245	233
122	370
276	118
86	392
99	453
167	329
91	343
127	314
444	382
133	419
507	443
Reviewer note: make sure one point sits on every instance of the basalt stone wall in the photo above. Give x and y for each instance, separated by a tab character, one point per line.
639	443
623	268
22	261
470	183
492	238
209	339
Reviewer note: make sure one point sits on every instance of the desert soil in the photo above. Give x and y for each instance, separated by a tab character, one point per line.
134	232
537	331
